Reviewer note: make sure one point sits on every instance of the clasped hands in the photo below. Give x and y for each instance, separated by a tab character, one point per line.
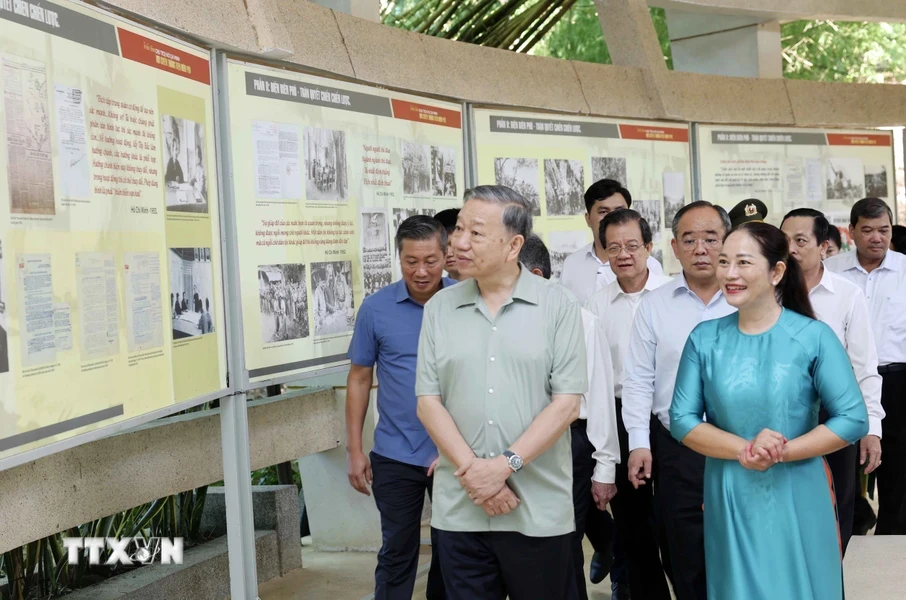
485	481
763	452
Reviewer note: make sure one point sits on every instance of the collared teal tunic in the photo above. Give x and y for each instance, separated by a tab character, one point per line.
769	535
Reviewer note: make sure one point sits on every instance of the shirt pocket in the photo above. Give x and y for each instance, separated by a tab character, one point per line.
894	313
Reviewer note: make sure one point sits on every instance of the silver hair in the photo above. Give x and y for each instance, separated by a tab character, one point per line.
517	211
721	211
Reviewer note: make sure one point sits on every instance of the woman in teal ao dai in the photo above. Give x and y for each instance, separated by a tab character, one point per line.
758	377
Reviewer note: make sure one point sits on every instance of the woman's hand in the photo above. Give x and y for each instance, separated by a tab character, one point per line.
769	445
754	461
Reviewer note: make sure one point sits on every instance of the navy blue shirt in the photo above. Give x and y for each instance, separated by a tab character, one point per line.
386	332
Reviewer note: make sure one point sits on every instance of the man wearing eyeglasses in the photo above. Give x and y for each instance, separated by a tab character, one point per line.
663	322
587	270
627	240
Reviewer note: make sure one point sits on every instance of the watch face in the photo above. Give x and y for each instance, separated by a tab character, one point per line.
516	462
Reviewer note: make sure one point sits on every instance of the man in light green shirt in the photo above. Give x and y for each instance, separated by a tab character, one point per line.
500	375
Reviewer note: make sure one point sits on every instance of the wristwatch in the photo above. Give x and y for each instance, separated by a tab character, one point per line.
514	460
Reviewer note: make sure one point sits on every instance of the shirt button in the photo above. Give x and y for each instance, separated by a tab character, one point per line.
492	359
491	391
491	422
493	329
491	455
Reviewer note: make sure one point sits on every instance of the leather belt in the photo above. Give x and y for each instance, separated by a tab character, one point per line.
891	368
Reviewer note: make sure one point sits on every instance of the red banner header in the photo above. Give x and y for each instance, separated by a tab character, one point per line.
423	113
858	139
166	58
655	134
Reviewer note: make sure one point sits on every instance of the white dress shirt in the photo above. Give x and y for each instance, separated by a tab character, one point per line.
616	310
841	304
885	290
598	405
662	325
583	272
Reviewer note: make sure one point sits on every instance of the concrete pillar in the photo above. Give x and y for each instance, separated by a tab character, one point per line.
730	45
363	9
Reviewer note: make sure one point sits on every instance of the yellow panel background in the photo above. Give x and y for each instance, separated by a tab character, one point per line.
262	351
100	223
646	162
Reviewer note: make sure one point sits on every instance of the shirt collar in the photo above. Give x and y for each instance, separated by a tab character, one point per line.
852	261
616	291
827	280
526	289
402	290
683	286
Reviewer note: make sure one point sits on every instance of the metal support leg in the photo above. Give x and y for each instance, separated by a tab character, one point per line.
234	436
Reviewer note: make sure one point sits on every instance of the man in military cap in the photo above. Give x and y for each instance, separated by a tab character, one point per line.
751	209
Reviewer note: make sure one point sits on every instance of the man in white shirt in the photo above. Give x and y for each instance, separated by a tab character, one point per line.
595	445
627	240
586	270
881	275
662	324
841	304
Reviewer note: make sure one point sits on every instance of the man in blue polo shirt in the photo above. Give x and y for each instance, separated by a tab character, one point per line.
402	463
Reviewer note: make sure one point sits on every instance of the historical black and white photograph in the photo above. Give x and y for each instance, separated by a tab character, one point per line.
674	196
325	165
562	244
428	212
443	171
845	179
185	163
658	255
876	181
4	349
334	305
521	174
651	212
564	187
283	302
191	292
417	166
376	258
606	167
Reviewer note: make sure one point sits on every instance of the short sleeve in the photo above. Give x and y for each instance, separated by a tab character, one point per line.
363	347
688	404
838	389
427	382
569	370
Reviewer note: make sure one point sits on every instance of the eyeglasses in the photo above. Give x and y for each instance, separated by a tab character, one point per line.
710	243
613	251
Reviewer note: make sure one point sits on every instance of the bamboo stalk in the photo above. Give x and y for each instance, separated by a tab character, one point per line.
434	16
468	16
539	35
438	25
525	22
495	19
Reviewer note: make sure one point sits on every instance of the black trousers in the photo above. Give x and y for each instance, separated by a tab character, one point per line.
679	493
892	472
844	465
399	493
597	524
500	564
633	511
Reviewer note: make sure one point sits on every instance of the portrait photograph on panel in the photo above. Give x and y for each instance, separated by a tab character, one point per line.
332	300
674	196
876	181
283	302
191	292
651	212
376	259
564	187
185	173
325	165
521	174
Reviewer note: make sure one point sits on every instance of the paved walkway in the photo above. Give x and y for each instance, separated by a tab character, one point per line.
875	569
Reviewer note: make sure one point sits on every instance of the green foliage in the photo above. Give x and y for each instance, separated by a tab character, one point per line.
850	51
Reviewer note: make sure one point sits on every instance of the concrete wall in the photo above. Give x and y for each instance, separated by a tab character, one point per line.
163	458
317	38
